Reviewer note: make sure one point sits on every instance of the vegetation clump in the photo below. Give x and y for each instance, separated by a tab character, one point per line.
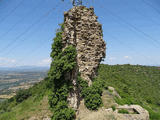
63	62
22	95
113	107
92	94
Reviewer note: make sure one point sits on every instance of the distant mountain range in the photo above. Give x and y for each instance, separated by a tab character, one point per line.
34	68
24	68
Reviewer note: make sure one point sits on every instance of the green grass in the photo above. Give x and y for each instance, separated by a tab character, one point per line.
123	111
26	109
113	107
135	84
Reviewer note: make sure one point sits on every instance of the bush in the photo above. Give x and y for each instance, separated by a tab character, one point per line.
113	107
93	101
62	112
53	100
92	94
22	95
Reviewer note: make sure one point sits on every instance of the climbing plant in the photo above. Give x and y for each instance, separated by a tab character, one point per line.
91	94
63	62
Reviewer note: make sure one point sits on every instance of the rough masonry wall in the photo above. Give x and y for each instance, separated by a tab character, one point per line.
82	30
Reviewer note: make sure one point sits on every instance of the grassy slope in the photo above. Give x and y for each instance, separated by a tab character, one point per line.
135	84
27	109
35	105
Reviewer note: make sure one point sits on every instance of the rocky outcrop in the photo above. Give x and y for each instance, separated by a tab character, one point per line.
114	92
82	30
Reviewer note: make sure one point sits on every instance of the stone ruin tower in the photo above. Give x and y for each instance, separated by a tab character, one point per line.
82	30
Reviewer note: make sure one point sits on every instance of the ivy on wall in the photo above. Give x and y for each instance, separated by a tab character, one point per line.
63	62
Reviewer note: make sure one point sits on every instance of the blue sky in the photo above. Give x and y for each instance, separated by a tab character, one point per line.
131	30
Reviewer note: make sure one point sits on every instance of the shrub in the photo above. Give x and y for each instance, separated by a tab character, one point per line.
62	112
92	94
93	101
53	99
22	95
113	107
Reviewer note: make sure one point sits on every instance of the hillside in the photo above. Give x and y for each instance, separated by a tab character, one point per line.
27	103
135	84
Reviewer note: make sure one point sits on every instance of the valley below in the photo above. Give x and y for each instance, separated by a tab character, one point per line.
12	81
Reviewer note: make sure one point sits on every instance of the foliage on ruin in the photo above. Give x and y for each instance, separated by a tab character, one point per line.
63	62
91	94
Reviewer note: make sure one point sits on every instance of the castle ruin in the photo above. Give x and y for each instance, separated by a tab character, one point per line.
82	30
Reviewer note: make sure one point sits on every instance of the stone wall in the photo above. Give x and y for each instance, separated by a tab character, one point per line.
82	30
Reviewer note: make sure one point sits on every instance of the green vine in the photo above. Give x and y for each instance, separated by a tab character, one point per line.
91	94
63	62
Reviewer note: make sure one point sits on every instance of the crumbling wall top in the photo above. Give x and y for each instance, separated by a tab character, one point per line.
82	29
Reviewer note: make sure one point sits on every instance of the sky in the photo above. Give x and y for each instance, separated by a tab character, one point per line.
131	30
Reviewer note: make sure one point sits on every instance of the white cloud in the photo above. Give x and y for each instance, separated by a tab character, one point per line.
45	62
127	57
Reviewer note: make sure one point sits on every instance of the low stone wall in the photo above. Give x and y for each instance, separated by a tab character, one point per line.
140	113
